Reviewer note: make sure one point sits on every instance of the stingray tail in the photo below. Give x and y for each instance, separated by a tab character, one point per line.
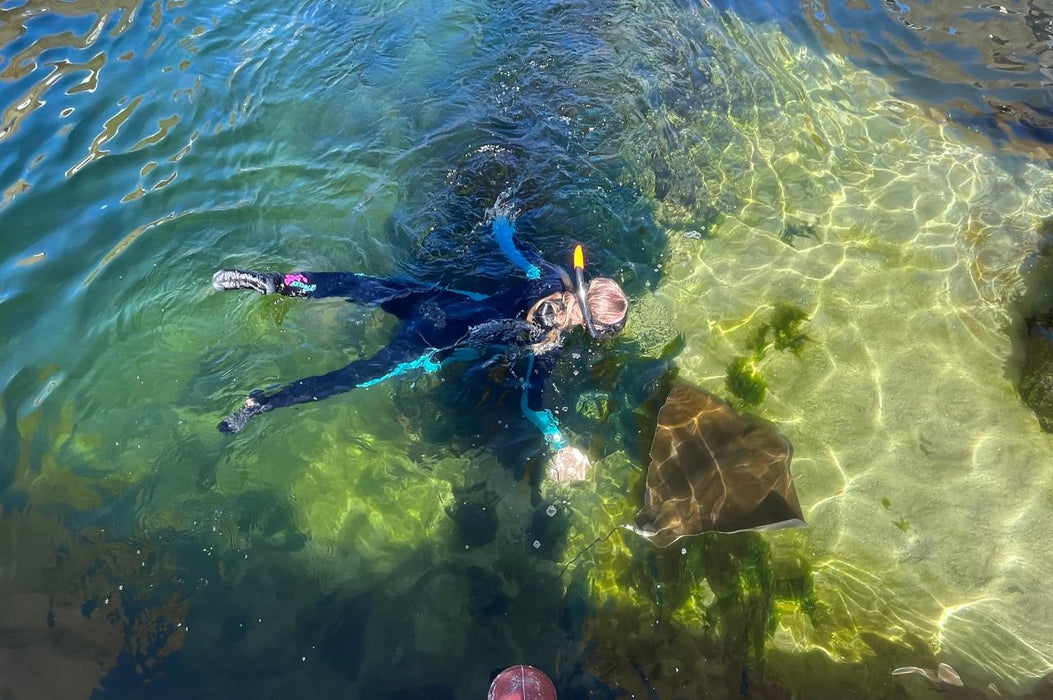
593	544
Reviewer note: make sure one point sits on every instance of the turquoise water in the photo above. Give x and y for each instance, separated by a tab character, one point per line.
400	542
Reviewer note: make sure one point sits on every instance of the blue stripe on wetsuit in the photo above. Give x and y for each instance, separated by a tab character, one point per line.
504	231
425	362
543	420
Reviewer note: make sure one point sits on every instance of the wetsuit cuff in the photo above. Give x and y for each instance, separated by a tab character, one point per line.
296	284
557	441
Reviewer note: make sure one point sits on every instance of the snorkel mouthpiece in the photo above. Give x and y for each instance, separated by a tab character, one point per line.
581	289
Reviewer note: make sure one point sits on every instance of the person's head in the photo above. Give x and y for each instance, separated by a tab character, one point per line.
608	306
560	311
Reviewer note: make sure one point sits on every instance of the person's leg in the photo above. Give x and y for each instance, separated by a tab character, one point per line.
395	360
360	289
355	287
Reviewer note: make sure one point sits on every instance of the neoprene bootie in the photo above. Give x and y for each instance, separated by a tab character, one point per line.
262	282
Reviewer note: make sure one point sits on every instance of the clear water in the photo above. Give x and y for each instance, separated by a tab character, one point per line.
396	542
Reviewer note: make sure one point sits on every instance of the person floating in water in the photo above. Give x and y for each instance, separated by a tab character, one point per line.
523	325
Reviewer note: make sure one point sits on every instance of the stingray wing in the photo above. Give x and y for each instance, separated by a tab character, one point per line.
713	469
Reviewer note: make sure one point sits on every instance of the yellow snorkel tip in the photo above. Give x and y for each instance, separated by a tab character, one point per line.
579	257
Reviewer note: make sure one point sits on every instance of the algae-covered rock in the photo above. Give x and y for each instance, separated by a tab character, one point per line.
1036	382
651	328
689	621
594	405
73	604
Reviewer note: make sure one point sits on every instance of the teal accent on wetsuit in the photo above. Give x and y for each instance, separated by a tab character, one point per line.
504	231
425	362
474	296
543	420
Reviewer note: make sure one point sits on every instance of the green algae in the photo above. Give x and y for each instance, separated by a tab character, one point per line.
689	620
785	325
745	381
796	229
781	332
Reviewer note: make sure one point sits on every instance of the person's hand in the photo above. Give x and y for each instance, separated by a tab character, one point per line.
568	466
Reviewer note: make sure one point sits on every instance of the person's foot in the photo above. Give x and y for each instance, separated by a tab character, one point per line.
237	420
262	282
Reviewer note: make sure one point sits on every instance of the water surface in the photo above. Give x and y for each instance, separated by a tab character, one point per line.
719	161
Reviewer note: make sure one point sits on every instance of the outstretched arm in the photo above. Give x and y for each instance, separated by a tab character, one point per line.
395	360
568	464
504	231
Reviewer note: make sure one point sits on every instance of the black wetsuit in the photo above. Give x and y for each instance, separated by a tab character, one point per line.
439	326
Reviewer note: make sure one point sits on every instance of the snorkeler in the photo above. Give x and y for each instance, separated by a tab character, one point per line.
524	326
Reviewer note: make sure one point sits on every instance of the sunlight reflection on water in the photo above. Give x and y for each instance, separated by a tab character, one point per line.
717	167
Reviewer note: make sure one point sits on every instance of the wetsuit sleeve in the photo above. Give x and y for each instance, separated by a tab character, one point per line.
504	231
533	407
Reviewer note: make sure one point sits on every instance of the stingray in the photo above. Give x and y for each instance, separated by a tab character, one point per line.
713	469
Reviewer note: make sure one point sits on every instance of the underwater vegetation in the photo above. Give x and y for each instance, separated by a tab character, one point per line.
794	229
781	332
784	327
692	620
1036	382
1033	336
745	381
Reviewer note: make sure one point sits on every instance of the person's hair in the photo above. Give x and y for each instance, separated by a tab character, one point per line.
607	302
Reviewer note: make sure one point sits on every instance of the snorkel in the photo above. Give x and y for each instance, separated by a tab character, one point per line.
581	289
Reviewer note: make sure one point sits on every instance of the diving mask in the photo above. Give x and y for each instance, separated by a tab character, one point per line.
550	313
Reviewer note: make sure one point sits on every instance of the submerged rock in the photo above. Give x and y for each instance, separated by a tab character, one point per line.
652	329
1036	381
